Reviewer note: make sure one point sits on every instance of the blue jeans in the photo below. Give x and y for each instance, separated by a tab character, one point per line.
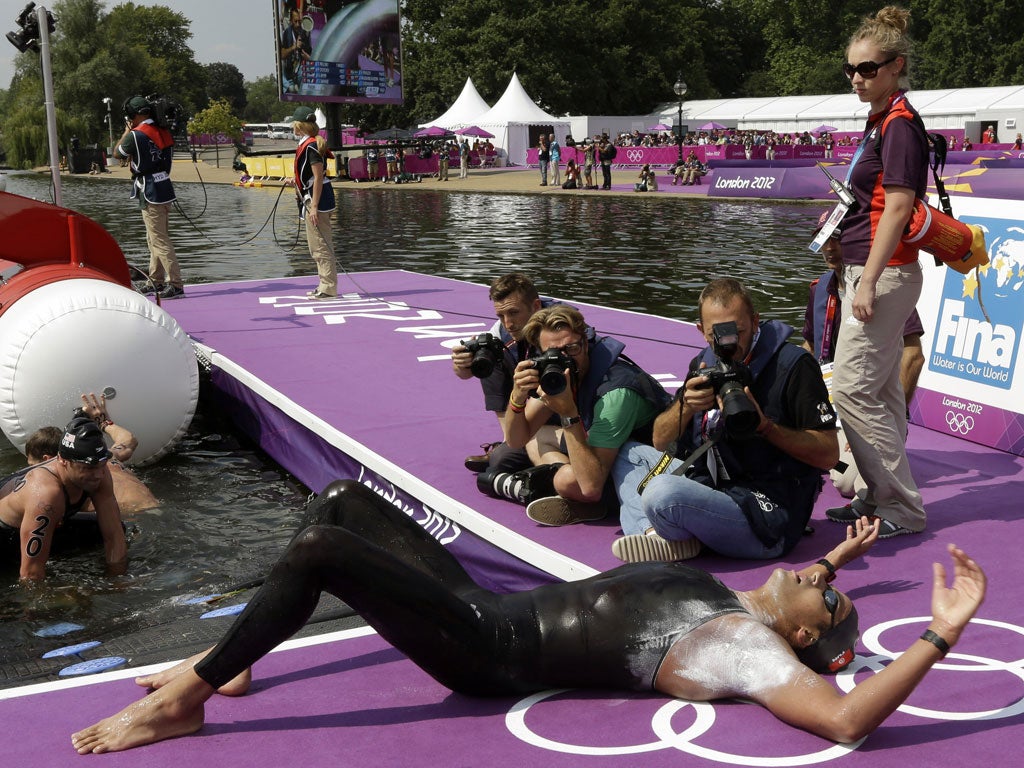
680	508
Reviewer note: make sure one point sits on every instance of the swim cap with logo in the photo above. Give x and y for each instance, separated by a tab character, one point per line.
83	442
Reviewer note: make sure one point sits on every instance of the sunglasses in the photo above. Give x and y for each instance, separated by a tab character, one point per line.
866	69
831	598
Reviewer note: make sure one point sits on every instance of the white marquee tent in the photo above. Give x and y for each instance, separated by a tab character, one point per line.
464	111
946	108
510	120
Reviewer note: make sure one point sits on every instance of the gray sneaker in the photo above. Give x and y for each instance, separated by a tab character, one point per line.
555	511
171	292
650	547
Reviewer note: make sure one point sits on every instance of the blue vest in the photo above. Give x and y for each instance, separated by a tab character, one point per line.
823	286
610	369
756	464
151	164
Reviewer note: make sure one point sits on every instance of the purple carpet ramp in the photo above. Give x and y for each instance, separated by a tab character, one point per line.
363	387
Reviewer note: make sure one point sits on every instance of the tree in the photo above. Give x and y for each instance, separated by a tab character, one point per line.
217	119
262	100
224	81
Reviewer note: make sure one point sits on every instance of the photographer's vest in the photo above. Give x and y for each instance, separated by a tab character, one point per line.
304	177
498	386
610	369
756	464
151	163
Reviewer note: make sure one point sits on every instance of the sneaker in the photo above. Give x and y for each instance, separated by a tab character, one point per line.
650	547
524	486
147	286
319	296
171	292
846	514
479	462
888	529
555	511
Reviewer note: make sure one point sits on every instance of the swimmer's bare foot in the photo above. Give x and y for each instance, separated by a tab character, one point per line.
174	710
237	686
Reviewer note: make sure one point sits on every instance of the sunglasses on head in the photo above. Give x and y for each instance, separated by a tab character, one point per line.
831	598
866	69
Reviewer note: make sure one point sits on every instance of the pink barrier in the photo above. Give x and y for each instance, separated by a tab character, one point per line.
416	164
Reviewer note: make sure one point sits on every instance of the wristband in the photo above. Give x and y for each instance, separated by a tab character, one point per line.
104	423
828	567
516	407
930	637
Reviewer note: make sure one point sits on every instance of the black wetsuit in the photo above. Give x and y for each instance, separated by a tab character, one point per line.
609	631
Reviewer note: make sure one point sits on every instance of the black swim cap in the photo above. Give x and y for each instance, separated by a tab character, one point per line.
835	648
83	442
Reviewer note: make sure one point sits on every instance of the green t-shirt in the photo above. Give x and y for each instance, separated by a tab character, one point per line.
616	415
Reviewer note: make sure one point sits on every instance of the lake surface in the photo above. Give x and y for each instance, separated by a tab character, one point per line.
227	509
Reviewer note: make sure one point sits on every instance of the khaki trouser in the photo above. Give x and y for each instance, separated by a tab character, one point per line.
163	261
868	395
321	248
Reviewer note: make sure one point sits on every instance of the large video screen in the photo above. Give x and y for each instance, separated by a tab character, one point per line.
339	50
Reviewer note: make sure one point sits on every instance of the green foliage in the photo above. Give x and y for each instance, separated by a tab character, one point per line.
217	118
262	101
225	81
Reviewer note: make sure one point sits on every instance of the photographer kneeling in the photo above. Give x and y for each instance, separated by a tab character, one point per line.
757	410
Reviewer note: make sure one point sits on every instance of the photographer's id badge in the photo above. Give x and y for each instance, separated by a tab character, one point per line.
830	226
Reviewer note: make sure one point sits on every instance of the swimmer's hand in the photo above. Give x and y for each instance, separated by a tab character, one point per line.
860	537
954	606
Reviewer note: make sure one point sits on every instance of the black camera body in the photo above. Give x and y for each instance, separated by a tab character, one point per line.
487	352
551	365
728	378
167	113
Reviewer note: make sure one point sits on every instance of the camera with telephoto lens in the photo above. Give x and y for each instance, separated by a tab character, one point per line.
728	378
551	365
487	352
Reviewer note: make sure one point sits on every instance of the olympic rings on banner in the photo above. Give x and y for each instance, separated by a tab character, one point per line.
958	422
704	712
634	155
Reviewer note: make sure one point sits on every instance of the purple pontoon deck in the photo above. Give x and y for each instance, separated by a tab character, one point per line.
362	387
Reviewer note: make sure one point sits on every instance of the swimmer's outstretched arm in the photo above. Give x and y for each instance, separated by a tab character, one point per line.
860	537
809	702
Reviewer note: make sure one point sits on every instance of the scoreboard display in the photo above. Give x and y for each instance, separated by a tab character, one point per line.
347	51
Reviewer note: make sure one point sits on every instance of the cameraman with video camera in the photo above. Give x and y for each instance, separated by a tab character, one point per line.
756	427
601	398
148	148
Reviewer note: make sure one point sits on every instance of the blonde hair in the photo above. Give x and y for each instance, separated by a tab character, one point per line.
553	318
887	29
302	128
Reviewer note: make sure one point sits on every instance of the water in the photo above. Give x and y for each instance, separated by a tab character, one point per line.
227	509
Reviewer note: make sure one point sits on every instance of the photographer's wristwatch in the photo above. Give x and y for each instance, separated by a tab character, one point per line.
568	421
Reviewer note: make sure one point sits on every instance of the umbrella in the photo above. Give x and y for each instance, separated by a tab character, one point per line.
660	127
475	130
712	126
433	130
824	129
393	133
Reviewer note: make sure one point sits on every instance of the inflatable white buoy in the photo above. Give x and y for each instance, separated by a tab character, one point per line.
87	335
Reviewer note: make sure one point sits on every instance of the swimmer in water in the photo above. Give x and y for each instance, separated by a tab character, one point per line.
700	640
36	500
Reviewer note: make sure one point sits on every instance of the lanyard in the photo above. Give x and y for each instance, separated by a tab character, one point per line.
826	337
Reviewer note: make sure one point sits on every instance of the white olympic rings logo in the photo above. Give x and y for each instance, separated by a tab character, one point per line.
634	155
958	422
704	712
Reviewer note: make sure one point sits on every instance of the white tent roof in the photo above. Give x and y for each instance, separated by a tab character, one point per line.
464	111
516	106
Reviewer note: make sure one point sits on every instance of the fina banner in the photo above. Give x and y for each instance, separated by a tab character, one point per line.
339	51
972	385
